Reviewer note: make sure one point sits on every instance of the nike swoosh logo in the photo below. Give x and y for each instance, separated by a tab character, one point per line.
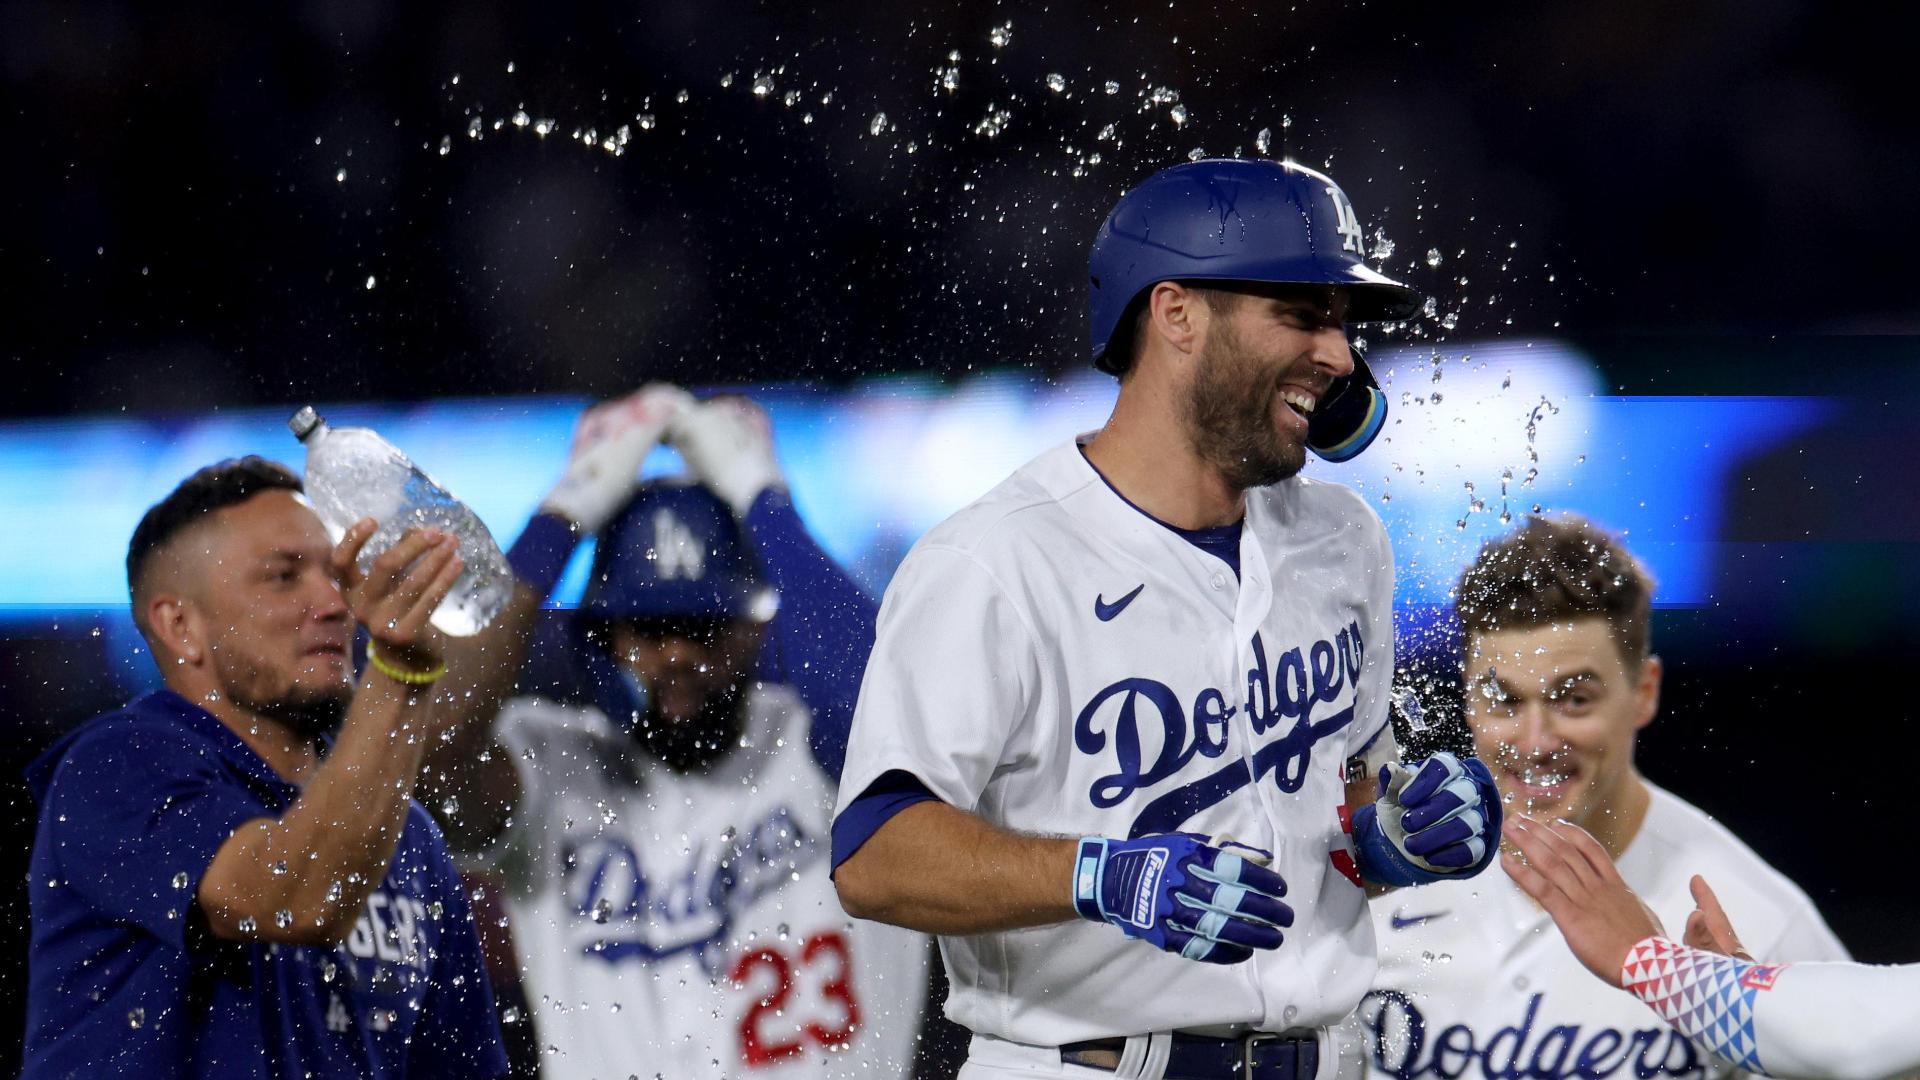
1401	922
1105	611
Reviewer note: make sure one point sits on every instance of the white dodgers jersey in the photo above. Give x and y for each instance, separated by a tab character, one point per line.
684	925
1476	983
1057	662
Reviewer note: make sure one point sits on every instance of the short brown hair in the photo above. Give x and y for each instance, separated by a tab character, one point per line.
1549	572
216	487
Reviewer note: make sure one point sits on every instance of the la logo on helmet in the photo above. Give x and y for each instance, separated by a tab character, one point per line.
676	553
1347	223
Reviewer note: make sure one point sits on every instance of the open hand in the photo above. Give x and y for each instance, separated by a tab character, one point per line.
1569	874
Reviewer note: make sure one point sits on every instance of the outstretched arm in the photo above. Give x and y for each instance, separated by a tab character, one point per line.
1842	1021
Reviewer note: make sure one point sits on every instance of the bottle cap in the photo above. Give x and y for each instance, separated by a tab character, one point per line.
303	422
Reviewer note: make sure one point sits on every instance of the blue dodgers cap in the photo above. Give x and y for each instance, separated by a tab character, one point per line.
675	552
1231	219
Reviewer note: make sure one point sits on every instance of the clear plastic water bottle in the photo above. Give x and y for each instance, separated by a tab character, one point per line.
353	473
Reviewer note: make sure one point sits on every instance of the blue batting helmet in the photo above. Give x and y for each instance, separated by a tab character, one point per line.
1256	221
675	552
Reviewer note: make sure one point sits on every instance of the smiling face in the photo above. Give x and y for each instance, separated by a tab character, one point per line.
1270	355
1554	710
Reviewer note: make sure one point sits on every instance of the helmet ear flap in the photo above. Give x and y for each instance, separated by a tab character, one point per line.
1351	415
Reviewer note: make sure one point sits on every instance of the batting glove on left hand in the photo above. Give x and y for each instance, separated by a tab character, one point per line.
1441	821
1178	893
609	443
727	442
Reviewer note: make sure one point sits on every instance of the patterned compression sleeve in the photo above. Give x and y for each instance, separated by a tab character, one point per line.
1841	1021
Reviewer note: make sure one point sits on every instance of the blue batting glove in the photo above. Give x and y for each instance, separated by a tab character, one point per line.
1439	821
1178	893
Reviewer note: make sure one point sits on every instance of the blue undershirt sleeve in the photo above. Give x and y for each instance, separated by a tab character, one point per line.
820	639
893	792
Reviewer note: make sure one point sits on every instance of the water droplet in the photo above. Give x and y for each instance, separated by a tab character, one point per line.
510	1015
1433	257
340	177
602	910
878	124
279	867
790	98
1057	82
446	145
370	282
544	126
1164	95
509	67
645	120
1178	114
681	97
1000	35
1198	153
283	918
476	128
136	1018
726	80
1263	142
180	880
992	124
762	85
248	925
949	79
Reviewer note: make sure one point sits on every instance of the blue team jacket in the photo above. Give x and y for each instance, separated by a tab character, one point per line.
125	980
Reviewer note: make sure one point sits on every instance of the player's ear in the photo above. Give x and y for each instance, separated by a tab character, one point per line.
175	626
1646	692
1175	315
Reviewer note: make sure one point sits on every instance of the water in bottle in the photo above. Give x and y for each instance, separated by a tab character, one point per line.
353	473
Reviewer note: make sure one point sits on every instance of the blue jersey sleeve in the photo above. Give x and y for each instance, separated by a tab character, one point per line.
824	631
893	792
459	1033
134	816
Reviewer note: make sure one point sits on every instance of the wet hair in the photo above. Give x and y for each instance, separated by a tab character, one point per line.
1123	348
1549	572
216	487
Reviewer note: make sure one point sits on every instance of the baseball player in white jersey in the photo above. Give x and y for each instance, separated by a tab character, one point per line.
1836	1020
665	847
1162	641
1560	677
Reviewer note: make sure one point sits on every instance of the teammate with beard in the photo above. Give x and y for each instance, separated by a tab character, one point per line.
1561	677
219	885
1162	640
664	847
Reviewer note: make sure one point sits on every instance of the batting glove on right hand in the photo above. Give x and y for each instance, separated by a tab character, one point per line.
1180	894
1439	819
609	443
727	442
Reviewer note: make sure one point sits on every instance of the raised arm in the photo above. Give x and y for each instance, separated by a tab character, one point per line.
824	630
301	878
470	782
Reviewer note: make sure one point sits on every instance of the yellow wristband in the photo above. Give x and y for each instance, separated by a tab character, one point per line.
411	678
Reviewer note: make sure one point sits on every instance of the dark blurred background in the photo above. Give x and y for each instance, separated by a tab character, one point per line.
223	205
